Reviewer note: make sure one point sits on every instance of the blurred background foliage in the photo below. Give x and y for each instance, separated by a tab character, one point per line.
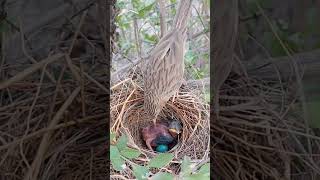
138	23
294	21
263	24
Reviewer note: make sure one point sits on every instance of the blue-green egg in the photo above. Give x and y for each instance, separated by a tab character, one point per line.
162	148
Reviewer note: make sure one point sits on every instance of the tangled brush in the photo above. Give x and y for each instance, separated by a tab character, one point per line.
128	116
59	126
260	133
53	106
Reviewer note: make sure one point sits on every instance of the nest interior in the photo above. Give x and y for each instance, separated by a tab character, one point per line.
128	116
136	120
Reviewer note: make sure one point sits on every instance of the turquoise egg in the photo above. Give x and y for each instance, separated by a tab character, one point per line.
162	148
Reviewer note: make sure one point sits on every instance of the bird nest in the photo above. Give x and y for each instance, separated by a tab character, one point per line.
128	116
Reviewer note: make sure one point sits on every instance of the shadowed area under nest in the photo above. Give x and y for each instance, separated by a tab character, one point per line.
128	116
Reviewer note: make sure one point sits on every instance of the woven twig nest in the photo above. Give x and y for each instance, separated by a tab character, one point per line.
128	116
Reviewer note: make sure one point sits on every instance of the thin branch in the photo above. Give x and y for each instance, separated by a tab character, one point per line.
30	70
32	173
77	31
163	15
201	20
205	82
28	55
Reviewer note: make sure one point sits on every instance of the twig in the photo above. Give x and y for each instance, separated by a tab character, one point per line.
32	173
91	160
48	18
28	55
102	9
204	26
297	73
74	72
136	35
196	35
120	176
119	118
262	68
30	70
29	117
163	15
96	82
46	130
3	55
83	99
77	31
77	70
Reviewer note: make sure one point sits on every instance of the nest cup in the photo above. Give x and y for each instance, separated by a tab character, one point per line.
136	119
128	116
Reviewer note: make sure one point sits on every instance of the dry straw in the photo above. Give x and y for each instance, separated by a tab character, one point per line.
260	133
53	115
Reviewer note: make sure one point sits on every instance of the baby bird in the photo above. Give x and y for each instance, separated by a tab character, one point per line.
175	127
161	134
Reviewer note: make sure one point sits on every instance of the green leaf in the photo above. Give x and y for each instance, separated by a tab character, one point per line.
122	22
273	43
117	162
205	169
142	12
190	57
203	173
122	142
162	176
313	113
207	97
311	19
186	165
207	3
161	160
4	26
120	5
136	3
130	153
140	172
252	5
112	137
197	177
151	38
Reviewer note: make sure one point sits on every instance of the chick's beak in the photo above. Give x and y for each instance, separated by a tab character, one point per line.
174	131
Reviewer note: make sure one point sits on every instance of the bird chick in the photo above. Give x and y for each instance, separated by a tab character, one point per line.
160	134
175	128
